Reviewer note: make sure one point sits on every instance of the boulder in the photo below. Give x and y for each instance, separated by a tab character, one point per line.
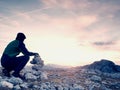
6	84
30	76
15	80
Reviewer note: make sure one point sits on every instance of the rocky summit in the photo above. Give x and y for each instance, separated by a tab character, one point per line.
100	75
103	65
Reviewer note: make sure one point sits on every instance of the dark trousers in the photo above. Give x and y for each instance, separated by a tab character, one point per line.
14	63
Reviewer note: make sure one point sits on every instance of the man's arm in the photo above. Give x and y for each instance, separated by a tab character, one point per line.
25	51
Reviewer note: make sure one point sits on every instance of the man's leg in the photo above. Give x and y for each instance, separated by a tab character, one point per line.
7	65
20	64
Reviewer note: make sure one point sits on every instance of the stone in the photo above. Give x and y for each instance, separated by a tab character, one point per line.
96	78
6	84
44	76
16	87
15	80
30	76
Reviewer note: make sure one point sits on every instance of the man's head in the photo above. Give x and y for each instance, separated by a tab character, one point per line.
20	37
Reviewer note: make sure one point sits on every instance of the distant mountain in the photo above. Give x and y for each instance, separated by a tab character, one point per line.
103	65
55	66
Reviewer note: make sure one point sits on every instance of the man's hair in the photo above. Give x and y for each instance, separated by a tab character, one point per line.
20	36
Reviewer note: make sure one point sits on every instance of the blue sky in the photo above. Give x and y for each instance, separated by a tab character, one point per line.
62	31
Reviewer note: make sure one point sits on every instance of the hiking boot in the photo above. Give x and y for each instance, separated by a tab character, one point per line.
6	73
17	75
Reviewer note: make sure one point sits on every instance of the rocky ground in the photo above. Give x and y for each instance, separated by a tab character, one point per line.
78	78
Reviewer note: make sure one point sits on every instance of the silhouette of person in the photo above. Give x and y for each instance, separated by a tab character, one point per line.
10	60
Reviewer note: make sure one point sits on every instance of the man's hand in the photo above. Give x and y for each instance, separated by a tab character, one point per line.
36	54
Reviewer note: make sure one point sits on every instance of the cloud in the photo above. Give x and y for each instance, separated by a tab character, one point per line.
107	45
66	4
82	7
50	3
100	43
81	19
86	20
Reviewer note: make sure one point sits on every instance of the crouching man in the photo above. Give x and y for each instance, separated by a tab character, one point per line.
10	60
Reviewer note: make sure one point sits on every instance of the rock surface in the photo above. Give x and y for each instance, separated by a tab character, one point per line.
103	65
64	79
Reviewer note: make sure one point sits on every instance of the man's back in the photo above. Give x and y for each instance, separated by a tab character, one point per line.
12	49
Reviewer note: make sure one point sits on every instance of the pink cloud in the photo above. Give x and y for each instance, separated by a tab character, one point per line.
65	25
50	3
24	16
66	4
86	20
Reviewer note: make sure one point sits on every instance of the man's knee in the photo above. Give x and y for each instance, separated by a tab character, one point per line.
27	57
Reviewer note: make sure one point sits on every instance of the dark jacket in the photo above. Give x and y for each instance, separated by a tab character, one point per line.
16	47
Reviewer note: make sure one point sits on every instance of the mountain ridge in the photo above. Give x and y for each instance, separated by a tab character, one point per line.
103	65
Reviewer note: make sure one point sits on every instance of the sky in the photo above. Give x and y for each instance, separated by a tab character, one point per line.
64	32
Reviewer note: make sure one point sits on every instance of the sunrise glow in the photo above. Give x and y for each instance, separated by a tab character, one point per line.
64	32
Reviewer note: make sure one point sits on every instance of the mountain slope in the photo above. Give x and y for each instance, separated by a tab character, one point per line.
103	65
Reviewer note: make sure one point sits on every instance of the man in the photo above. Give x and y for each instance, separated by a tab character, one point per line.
10	60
